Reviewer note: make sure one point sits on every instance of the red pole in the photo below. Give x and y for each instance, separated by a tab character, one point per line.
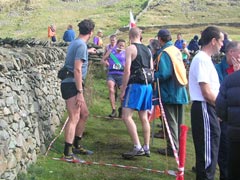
182	152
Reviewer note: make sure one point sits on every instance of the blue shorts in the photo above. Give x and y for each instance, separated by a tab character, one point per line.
138	97
116	78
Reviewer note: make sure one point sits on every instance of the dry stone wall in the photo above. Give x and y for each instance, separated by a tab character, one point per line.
31	106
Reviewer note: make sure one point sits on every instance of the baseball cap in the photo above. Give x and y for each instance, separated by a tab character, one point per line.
163	33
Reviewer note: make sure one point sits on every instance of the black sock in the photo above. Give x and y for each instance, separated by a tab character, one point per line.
67	149
76	142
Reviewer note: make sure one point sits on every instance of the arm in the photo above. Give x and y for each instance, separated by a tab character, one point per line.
187	52
207	93
92	51
105	58
105	49
78	79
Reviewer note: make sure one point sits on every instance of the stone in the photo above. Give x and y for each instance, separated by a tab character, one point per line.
3	124
4	135
3	164
20	140
18	154
12	143
12	161
6	111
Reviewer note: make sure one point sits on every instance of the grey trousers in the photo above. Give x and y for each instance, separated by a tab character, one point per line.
174	115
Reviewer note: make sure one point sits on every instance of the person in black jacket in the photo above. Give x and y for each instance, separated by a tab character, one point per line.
193	45
228	109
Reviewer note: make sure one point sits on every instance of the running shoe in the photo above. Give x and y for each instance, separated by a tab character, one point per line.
82	150
134	152
72	158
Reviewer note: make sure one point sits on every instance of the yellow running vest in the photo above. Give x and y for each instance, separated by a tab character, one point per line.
178	66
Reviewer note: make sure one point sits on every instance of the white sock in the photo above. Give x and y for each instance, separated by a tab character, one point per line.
138	147
146	147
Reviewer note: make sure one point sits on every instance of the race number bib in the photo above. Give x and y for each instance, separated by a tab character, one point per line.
117	66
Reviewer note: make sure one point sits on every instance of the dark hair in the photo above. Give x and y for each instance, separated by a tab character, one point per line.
86	26
154	44
121	40
209	33
113	36
166	38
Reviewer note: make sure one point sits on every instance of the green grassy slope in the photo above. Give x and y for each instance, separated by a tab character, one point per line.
20	20
31	20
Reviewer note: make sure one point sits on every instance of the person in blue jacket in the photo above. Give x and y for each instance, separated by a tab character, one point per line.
69	34
179	42
228	109
173	94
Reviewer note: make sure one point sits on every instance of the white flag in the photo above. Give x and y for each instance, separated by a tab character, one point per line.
132	21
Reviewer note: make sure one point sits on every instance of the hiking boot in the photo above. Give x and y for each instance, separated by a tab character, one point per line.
72	158
134	152
82	150
166	152
113	114
120	112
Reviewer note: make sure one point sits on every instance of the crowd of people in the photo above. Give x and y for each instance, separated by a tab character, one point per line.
156	74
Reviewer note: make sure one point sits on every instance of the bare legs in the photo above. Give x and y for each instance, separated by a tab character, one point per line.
111	88
77	119
132	128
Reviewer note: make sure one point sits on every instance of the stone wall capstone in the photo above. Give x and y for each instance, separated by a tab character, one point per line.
31	106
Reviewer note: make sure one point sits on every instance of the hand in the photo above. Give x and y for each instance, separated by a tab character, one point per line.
236	63
92	51
122	94
79	99
106	63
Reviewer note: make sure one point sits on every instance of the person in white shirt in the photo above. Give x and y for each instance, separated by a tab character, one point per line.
203	87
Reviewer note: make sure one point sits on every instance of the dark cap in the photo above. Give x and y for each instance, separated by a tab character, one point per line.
163	33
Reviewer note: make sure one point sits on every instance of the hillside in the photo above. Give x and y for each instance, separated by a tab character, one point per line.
30	18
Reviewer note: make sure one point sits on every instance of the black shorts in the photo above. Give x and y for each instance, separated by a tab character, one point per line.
68	90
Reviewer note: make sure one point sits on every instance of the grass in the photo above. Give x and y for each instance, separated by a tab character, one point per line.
108	139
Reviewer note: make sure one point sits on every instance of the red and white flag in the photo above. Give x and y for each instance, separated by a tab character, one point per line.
132	21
